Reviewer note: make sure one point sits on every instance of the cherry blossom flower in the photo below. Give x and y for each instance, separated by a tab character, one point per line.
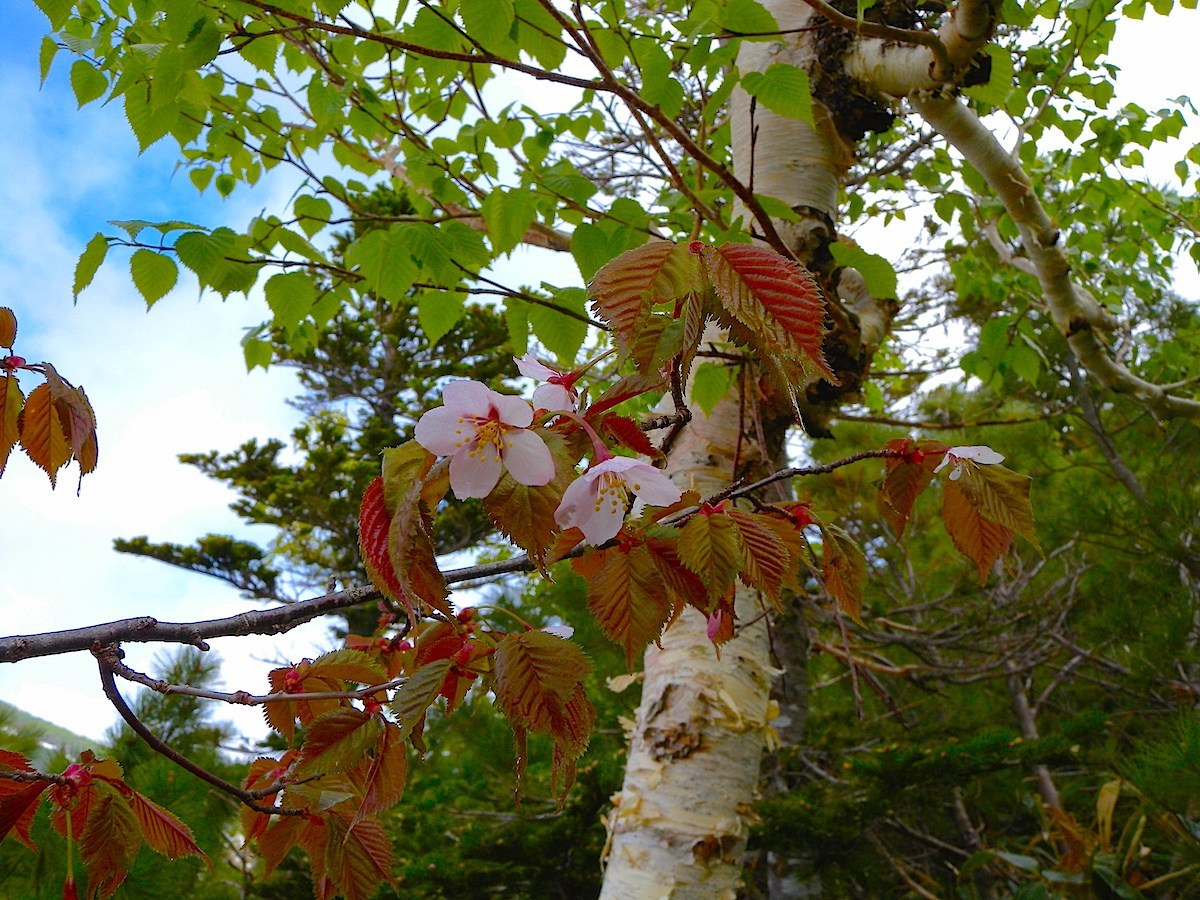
483	433
595	502
558	394
959	456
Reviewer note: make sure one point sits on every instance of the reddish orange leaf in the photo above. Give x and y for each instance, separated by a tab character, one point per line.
684	585
347	665
906	478
779	305
374	520
766	560
11	402
18	803
975	536
626	595
381	784
626	389
525	514
283	834
42	433
626	290
8	327
110	840
161	829
263	772
539	687
410	549
626	433
78	418
1002	496
844	570
358	856
337	741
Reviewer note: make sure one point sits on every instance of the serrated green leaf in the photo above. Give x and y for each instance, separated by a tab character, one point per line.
87	82
508	215
383	259
291	296
219	258
257	353
89	262
438	312
57	11
312	213
783	89
46	54
153	274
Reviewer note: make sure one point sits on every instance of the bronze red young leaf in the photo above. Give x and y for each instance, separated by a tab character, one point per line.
975	536
8	327
626	595
906	478
11	402
844	570
43	435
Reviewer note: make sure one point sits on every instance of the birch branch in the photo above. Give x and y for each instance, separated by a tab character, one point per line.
1076	313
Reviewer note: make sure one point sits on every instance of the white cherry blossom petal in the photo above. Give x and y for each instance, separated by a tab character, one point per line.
553	397
527	458
474	475
531	367
441	432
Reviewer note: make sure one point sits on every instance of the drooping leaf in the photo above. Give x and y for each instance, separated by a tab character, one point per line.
11	403
536	671
43	435
153	274
1003	497
975	536
89	262
358	856
876	271
843	569
626	595
8	327
162	830
110	840
17	808
383	774
624	389
374	520
779	305
337	741
709	545
906	478
78	419
281	836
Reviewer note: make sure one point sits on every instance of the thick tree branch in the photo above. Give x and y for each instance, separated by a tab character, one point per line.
1077	314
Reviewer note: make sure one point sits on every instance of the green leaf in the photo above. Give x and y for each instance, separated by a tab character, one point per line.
337	741
747	17
291	296
709	545
257	353
87	81
438	312
312	213
153	274
876	271
46	54
57	11
710	383
383	259
561	334
89	262
489	22
508	215
783	89
219	258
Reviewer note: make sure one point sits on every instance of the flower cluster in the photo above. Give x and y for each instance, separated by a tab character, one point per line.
485	433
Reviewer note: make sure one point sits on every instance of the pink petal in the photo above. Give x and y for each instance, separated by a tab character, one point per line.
471	398
577	502
441	432
474	476
514	411
652	486
527	457
602	524
529	366
553	398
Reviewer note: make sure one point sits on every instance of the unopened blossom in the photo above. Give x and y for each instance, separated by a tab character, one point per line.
958	456
558	394
484	433
595	503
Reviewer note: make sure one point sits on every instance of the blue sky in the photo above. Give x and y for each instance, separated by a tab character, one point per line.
163	382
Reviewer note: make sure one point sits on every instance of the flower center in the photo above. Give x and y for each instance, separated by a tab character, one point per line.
612	490
488	434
